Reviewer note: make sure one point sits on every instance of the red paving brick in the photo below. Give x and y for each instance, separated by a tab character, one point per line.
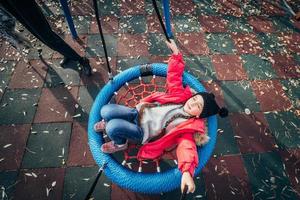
182	7
110	24
291	160
132	7
132	45
285	66
270	95
261	24
56	105
246	43
226	178
118	193
79	152
272	8
229	7
29	75
291	41
12	143
34	184
252	133
213	24
228	67
153	25
192	43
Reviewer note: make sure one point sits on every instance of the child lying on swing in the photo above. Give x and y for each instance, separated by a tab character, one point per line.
176	116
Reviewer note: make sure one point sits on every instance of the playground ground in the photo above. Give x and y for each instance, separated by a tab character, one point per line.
247	53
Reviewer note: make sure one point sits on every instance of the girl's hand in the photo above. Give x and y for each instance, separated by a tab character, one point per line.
187	180
172	45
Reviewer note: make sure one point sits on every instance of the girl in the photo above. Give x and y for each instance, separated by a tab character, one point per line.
176	116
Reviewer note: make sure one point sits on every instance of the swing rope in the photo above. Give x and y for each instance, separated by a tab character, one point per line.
160	20
102	39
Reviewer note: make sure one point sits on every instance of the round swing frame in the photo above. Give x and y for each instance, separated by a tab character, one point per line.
148	183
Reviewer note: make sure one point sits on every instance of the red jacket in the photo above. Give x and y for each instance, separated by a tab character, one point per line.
181	135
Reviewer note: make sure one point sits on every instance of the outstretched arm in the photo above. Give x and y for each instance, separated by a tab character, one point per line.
175	69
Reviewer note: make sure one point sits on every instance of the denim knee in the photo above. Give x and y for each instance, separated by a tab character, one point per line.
113	127
105	111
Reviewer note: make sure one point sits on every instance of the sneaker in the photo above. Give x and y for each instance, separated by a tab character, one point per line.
99	126
111	147
85	63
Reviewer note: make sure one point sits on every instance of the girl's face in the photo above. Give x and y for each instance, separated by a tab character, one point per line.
194	105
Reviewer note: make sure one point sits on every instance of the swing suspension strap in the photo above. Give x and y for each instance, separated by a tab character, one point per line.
161	21
88	196
102	38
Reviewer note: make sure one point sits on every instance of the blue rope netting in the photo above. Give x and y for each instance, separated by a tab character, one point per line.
149	183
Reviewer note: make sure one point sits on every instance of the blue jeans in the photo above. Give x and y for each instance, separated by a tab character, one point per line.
121	123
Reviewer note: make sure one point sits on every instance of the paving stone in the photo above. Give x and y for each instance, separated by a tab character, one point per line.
186	23
132	7
192	43
82	24
226	178
239	96
271	43
149	8
285	66
40	183
86	96
120	193
213	24
251	8
124	63
7	184
208	7
246	43
157	45
18	106
200	67
13	142
220	43
29	76
153	25
132	24
282	24
228	67
58	76
261	24
82	8
46	53
47	146
100	72
284	126
291	41
182	7
229	8
258	67
252	133
109	23
291	89
6	71
109	7
56	105
226	142
95	48
78	181
238	24
267	176
274	8
79	153
290	158
78	45
270	95
7	51
132	45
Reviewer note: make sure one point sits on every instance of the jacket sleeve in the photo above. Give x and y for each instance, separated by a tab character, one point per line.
187	155
174	75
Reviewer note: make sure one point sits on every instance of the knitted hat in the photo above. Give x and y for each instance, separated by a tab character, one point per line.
210	106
